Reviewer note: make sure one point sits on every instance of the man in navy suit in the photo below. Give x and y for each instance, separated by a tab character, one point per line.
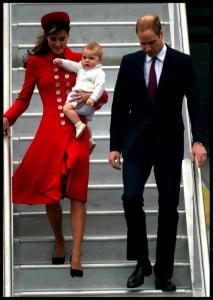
151	134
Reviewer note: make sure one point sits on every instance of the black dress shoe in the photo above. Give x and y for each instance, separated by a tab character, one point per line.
137	277
57	260
165	285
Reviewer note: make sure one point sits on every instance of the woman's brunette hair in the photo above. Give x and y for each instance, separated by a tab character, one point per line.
41	47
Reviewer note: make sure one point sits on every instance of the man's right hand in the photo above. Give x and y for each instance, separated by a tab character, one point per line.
115	160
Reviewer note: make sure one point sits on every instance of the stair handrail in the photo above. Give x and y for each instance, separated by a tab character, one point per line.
187	172
200	214
192	176
7	204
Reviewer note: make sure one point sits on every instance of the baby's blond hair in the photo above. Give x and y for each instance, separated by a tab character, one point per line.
95	46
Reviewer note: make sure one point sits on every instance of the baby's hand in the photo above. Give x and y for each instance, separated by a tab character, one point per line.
90	102
57	61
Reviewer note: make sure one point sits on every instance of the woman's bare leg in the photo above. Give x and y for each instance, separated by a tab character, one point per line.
54	214
77	223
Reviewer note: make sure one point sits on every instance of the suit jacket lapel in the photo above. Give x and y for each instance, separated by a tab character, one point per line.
166	71
141	61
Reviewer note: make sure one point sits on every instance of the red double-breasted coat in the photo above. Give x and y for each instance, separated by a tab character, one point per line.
54	149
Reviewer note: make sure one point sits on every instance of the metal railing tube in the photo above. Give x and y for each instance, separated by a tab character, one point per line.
7	204
205	265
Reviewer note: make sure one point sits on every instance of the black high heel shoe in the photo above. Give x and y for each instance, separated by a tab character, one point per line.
58	260
75	272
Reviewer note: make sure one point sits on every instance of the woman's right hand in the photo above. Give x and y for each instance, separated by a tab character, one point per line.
6	127
81	97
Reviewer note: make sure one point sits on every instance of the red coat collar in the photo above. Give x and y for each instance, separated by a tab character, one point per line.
50	55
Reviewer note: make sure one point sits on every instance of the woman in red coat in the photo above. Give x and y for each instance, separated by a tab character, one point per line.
56	164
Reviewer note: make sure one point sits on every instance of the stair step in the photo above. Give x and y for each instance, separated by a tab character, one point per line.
104	198
87	12
102	249
137	292
98	223
96	276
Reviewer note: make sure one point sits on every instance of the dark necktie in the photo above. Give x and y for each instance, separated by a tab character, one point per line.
152	84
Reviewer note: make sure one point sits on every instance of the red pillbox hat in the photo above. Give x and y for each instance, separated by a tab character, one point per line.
53	17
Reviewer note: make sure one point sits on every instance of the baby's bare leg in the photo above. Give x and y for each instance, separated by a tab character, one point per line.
70	113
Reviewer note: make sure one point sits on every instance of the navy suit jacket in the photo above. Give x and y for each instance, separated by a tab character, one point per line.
131	107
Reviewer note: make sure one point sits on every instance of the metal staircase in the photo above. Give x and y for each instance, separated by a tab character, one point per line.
28	240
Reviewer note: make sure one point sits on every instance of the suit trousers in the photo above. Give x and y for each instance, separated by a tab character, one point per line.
164	153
